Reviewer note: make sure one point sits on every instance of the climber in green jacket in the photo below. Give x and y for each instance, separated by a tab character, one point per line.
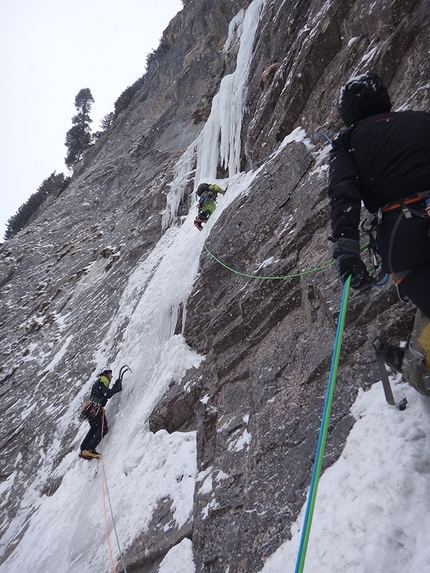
207	202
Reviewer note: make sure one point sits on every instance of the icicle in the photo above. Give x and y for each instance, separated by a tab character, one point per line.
219	141
220	138
234	30
182	175
241	74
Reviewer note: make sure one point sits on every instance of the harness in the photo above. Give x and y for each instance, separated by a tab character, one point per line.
402	204
90	409
408	212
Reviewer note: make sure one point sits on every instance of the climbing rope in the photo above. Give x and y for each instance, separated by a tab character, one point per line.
105	492
323	432
295	275
264	277
104	501
292	276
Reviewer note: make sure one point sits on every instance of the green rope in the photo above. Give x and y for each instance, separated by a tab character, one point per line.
263	277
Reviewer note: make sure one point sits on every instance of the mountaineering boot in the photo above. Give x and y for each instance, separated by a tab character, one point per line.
198	224
391	355
89	454
415	367
413	362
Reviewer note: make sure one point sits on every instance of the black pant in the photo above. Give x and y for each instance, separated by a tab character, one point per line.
416	286
98	429
204	215
403	243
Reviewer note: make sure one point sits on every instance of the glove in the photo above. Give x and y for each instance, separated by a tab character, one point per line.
348	262
117	387
349	265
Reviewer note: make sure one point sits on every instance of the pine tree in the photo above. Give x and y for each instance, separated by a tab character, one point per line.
54	185
79	136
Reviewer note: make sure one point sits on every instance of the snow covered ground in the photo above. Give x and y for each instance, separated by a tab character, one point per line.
372	513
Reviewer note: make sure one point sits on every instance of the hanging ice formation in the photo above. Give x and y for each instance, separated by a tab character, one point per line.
219	141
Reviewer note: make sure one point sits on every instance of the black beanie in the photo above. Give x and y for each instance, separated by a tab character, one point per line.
362	97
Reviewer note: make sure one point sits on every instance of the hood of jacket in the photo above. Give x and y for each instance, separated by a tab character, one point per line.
362	97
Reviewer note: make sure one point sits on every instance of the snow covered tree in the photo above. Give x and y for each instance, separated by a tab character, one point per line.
79	136
54	185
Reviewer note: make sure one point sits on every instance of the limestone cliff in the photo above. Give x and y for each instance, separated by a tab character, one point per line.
264	345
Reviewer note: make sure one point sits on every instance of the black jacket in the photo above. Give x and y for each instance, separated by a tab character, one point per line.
380	159
100	393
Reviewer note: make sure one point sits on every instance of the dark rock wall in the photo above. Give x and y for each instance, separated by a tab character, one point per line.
268	343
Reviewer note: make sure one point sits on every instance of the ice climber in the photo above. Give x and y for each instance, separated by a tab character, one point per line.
382	159
207	195
95	412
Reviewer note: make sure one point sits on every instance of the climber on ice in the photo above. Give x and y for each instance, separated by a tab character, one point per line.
382	159
94	411
207	195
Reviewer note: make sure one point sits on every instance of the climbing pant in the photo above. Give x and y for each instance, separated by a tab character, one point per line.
98	424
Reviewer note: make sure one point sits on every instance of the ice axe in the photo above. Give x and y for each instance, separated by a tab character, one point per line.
123	370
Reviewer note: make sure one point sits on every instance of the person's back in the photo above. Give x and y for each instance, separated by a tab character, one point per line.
101	391
388	159
391	155
206	197
383	159
207	202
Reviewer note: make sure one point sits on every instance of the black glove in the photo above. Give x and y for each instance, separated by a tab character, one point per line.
348	262
117	387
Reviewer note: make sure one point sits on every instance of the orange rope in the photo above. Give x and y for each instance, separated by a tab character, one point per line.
104	501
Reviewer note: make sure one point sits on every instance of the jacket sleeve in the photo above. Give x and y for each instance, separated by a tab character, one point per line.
109	392
344	192
217	189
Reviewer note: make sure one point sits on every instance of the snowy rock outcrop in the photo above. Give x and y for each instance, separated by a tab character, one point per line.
212	440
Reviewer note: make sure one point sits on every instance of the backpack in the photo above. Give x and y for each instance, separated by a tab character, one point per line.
207	197
202	188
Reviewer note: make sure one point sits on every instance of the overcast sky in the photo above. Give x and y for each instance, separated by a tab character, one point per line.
49	51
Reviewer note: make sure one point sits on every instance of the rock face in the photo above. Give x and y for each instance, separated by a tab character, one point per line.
258	399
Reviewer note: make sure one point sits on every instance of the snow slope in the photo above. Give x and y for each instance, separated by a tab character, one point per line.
372	512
